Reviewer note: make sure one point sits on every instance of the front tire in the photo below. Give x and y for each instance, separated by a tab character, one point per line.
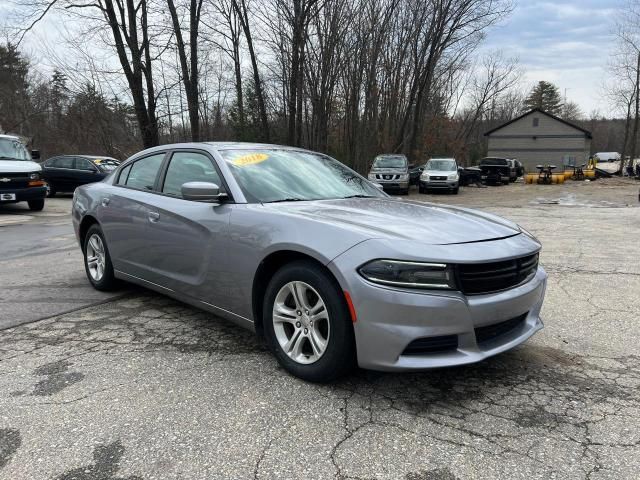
97	261
36	205
456	190
307	324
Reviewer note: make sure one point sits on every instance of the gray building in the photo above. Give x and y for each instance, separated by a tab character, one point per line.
537	138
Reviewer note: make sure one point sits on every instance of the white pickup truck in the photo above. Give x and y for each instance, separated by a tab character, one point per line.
20	177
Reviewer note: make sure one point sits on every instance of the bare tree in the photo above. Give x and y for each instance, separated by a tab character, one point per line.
189	66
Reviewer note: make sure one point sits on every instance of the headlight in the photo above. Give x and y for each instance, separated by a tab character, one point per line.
34	176
400	273
403	176
372	176
453	176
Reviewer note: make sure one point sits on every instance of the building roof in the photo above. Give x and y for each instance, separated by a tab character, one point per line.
538	110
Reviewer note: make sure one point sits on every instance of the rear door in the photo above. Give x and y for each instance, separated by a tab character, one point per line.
185	243
124	214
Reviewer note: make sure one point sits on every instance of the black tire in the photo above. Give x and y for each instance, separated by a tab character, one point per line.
406	192
51	191
421	190
36	205
455	190
339	356
108	281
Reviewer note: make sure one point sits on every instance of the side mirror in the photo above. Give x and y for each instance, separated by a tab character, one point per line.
35	154
202	192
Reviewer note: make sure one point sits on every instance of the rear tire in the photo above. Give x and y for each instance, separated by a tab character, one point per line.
97	261
290	333
36	205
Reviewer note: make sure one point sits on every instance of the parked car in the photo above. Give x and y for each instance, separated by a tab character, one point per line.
392	172
67	172
495	171
440	174
470	175
329	269
516	169
414	173
20	177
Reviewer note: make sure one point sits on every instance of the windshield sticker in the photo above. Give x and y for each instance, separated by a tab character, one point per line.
250	159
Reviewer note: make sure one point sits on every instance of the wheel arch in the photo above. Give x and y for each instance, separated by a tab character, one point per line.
85	224
267	268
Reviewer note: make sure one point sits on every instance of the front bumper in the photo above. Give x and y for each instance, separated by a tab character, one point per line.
25	194
390	319
444	184
394	185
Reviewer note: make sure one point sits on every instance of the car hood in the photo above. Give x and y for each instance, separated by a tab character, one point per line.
396	219
440	173
18	166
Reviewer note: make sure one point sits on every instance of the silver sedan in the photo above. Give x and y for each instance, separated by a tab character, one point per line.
315	258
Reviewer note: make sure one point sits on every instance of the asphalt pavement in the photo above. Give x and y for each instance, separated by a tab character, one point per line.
144	387
41	269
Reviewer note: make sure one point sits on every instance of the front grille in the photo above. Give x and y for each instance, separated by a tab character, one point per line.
15	180
432	177
497	330
381	176
427	345
475	279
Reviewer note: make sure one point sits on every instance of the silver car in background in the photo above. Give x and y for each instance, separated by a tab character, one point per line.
328	269
440	174
391	170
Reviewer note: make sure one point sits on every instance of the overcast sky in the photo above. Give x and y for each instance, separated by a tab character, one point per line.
567	42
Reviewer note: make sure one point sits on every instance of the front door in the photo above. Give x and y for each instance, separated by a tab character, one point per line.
185	238
85	172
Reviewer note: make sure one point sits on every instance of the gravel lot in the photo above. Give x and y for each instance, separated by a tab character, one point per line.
138	386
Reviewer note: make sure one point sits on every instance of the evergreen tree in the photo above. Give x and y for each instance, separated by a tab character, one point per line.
14	69
545	96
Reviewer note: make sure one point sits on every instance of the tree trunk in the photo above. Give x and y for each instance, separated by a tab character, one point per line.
244	22
634	137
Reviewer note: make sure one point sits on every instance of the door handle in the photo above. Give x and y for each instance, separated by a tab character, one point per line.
153	217
105	202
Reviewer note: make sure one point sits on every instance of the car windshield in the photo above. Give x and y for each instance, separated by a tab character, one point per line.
272	175
106	164
13	149
441	165
390	161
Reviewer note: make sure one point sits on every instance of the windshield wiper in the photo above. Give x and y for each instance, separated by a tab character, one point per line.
360	195
287	200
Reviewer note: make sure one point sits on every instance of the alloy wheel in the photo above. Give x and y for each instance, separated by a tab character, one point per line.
301	322
95	257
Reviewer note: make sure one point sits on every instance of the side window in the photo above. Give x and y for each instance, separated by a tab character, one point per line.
124	174
188	167
64	162
143	172
51	162
84	164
